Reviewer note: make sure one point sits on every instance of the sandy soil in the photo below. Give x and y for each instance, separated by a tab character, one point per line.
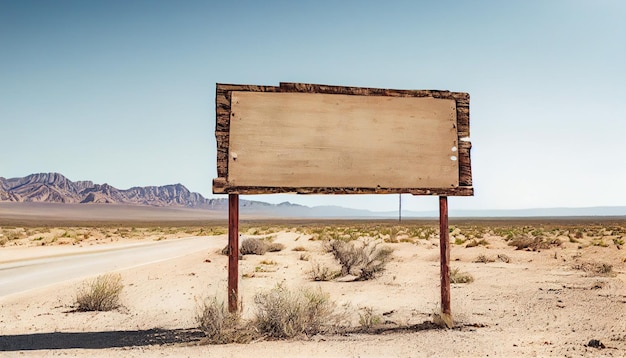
537	304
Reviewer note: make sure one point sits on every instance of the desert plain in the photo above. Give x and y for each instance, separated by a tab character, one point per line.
549	287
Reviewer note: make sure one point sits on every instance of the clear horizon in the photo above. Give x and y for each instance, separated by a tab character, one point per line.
123	92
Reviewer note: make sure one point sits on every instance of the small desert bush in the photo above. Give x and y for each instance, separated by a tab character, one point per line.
368	318
596	268
459	241
504	258
11	235
600	243
482	258
299	248
363	260
283	313
101	294
320	272
275	246
253	246
475	243
456	276
534	243
221	326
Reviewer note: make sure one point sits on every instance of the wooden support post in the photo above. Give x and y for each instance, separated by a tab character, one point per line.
233	252
444	250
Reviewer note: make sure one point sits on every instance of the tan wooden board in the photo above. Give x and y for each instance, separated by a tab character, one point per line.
283	139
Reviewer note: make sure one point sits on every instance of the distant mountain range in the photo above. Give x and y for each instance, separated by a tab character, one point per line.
56	188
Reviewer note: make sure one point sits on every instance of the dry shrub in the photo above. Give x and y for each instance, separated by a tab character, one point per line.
101	294
363	260
299	248
534	243
253	246
504	258
596	268
474	243
320	272
10	235
482	258
456	276
275	246
368	318
282	313
221	326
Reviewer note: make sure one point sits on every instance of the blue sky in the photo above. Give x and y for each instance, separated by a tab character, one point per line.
123	92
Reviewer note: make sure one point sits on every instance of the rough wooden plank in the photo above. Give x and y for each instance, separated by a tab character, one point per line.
462	98
463	121
301	140
367	91
251	88
465	165
220	186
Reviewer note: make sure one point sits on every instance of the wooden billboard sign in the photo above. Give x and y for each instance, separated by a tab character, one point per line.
318	139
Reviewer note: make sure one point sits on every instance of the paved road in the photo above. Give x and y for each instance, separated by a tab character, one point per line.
35	273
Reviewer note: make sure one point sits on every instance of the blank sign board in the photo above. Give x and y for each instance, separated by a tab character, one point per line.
281	139
333	140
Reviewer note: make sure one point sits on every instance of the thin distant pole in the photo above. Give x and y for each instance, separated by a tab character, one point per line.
400	207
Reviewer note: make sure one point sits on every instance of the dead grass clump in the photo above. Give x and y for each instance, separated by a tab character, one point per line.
474	243
504	258
482	258
275	247
11	235
299	248
521	243
221	326
534	243
101	294
363	260
596	268
456	276
283	313
253	246
368	318
320	272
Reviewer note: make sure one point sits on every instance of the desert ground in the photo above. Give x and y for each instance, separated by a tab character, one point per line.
543	288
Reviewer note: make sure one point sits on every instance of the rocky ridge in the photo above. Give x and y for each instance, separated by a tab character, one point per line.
56	188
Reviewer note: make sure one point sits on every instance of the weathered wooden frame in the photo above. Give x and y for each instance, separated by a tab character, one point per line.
221	184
